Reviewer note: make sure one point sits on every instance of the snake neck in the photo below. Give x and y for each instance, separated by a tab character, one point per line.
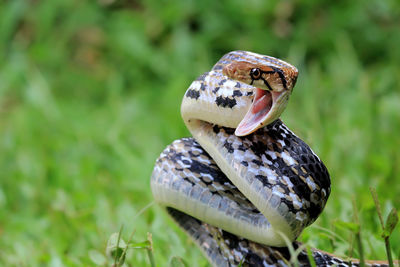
216	99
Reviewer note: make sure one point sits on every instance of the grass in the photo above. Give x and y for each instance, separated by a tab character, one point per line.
90	94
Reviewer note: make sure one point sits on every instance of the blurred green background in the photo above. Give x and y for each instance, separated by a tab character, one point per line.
90	94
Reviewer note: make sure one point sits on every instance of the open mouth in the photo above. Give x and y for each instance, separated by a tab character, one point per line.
267	106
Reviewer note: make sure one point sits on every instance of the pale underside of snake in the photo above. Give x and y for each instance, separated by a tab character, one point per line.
244	185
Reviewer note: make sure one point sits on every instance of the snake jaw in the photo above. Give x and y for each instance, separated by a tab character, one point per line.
273	81
267	106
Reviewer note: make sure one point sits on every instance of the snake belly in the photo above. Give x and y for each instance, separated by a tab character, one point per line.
242	199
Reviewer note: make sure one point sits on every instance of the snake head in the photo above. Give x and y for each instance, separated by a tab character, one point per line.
273	82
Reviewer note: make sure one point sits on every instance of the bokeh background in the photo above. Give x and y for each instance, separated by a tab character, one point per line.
90	94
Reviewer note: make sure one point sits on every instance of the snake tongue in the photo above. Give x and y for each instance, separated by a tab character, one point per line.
267	107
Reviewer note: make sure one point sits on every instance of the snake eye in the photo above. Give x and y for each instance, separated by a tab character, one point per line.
255	73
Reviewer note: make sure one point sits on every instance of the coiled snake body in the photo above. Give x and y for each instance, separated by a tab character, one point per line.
244	185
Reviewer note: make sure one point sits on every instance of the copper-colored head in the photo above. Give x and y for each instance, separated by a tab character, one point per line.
273	82
267	77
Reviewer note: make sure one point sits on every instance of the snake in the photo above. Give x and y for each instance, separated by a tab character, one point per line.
244	186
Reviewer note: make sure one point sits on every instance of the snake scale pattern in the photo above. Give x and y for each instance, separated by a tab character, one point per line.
244	186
